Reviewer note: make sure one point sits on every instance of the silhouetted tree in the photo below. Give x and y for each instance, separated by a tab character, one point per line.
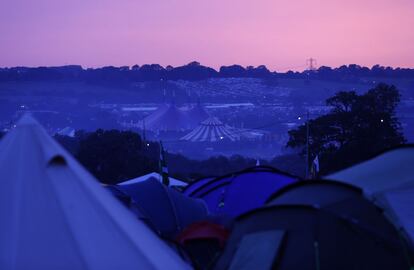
114	156
357	127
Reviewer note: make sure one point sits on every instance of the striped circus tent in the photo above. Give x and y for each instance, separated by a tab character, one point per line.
211	130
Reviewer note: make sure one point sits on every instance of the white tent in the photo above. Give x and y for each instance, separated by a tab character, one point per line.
67	131
55	215
389	180
211	130
173	181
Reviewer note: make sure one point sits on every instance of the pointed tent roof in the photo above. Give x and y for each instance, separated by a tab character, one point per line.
197	114
173	181
211	130
389	179
56	215
157	113
171	119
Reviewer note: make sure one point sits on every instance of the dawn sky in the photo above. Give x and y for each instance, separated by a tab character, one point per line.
281	34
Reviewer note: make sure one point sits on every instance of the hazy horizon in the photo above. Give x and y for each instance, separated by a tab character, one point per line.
279	34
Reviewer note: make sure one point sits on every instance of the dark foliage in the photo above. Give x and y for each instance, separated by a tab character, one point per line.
357	127
114	156
124	76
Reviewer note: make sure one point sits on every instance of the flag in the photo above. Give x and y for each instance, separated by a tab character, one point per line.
163	167
315	167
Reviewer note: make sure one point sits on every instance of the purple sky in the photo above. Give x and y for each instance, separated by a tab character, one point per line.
281	34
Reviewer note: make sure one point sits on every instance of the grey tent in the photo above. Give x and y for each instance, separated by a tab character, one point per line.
315	225
388	179
55	215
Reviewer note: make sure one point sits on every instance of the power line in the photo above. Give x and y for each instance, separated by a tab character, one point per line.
311	63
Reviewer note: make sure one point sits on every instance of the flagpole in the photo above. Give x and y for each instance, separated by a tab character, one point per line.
163	167
307	145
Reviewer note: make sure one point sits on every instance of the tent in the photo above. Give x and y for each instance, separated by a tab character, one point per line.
197	184
197	114
389	180
172	118
203	241
315	225
239	192
169	210
211	130
157	113
155	175
67	131
57	216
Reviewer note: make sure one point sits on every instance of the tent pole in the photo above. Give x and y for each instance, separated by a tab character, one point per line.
307	145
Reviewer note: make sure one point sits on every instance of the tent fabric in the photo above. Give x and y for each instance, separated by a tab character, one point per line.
169	210
257	250
204	242
319	193
156	114
391	170
334	197
190	188
204	230
211	130
57	216
172	118
197	114
317	239
157	176
237	193
389	179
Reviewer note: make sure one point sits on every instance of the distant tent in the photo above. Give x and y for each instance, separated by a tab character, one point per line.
389	179
55	215
315	225
157	176
197	114
169	210
67	131
237	193
157	113
170	119
211	130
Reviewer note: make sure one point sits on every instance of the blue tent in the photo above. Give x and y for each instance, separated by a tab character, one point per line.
168	210
237	193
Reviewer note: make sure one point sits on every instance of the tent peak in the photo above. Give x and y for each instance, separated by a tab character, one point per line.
26	120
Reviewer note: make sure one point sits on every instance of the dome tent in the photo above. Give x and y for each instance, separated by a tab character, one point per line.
197	184
315	225
388	179
239	192
167	209
57	216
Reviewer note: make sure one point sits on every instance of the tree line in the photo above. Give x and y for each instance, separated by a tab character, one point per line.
193	71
